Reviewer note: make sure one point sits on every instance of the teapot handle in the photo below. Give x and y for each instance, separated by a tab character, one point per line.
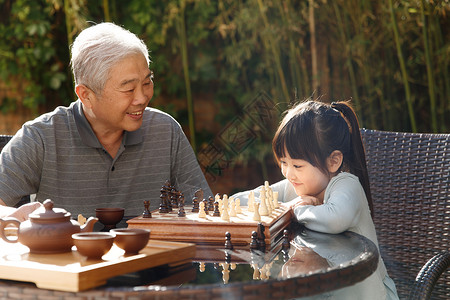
3	223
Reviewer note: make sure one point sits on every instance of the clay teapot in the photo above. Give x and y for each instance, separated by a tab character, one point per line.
46	232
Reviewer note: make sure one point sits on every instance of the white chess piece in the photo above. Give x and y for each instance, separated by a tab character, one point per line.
263	211
220	205
262	272
238	206
202	267
255	271
224	214
256	215
232	206
275	200
251	201
225	273
201	212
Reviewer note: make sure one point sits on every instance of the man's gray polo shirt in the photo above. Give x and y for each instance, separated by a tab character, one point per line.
58	157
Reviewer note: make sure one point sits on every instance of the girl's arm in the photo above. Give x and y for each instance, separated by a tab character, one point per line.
344	200
285	191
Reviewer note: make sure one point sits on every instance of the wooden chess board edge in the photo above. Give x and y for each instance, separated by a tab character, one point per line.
211	233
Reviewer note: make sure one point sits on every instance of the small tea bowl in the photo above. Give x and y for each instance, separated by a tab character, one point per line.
109	216
132	240
93	245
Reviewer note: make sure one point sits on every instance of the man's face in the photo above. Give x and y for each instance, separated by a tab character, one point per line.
126	94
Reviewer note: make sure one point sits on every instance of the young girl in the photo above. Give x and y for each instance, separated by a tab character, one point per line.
321	155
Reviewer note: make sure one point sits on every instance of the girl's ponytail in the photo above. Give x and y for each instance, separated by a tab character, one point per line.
357	161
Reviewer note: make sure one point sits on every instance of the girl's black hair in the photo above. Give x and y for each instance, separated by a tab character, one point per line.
312	130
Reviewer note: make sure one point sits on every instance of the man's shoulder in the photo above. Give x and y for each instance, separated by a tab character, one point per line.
59	116
154	116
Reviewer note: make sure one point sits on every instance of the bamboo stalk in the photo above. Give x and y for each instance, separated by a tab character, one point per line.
429	65
285	8
106	11
349	63
312	31
68	23
402	68
442	60
184	57
275	53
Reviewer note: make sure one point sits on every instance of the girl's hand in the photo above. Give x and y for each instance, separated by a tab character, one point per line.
23	211
309	200
290	204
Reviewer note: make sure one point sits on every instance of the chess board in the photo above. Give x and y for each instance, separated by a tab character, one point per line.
211	230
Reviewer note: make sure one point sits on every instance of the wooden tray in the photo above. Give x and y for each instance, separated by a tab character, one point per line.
72	272
211	230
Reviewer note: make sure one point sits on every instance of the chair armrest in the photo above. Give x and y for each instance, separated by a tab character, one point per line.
429	275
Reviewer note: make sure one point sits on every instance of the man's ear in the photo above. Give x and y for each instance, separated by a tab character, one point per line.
334	161
85	94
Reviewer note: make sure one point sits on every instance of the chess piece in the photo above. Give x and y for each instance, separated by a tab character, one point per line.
263	206
225	203
275	200
224	214
225	273
163	205
205	205
195	205
232	207
255	271
262	272
228	244
216	209
251	202
256	215
261	237
202	267
201	213
211	203
254	241
181	212
146	214
81	219
238	206
285	244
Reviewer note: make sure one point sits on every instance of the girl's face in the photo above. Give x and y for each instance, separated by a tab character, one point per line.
306	179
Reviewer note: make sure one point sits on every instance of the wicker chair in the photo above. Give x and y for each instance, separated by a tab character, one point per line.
4	139
410	179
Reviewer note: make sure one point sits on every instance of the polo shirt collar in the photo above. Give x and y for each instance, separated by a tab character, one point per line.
88	136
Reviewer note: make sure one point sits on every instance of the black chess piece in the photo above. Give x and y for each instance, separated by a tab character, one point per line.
228	244
163	205
216	209
227	257
205	202
181	212
146	214
254	241
261	237
195	205
285	244
211	203
174	197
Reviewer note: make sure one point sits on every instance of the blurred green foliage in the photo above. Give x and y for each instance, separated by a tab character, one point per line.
289	49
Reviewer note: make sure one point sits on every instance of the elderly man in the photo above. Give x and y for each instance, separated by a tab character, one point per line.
107	149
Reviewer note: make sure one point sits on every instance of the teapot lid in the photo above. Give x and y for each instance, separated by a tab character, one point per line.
50	212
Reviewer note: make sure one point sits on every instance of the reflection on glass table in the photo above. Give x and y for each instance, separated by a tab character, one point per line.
311	263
